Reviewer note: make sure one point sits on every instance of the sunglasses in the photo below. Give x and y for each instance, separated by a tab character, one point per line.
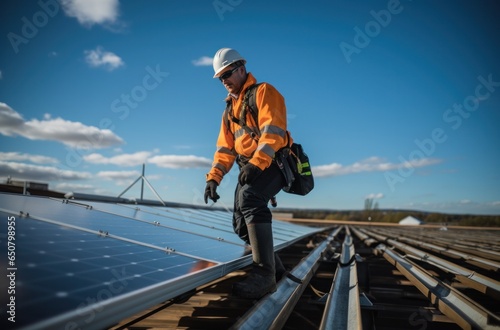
228	74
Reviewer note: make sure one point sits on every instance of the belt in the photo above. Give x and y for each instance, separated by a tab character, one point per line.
282	153
242	160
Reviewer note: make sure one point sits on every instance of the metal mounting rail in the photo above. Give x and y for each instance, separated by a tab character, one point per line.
466	247
367	240
472	259
466	276
272	311
342	310
452	251
465	312
379	238
475	280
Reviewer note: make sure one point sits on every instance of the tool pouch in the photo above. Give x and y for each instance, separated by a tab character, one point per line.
298	164
281	159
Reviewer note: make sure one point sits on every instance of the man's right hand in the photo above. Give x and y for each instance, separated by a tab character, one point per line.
211	191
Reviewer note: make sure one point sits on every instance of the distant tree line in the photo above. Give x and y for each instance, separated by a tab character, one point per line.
394	216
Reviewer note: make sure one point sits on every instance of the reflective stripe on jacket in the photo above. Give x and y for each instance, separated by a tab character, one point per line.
237	141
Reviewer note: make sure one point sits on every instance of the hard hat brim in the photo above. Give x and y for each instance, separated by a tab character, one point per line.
221	71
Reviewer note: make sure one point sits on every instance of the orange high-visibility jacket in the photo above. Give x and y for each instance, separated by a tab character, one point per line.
237	141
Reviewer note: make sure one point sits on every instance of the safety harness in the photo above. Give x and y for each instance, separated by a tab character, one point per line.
291	159
249	104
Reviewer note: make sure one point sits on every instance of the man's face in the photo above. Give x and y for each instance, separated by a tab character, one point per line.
233	79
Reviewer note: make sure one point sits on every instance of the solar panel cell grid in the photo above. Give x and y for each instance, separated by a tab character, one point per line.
200	245
60	269
174	219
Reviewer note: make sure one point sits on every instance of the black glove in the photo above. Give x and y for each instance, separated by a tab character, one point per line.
248	174
211	191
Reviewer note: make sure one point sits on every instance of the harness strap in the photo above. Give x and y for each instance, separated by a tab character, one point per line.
248	104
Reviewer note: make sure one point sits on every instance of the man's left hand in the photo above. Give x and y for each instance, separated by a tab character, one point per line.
248	174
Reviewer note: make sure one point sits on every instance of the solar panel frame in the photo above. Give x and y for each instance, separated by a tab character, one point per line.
76	222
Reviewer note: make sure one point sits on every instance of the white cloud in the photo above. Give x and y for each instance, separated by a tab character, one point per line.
66	186
9	118
124	176
134	159
375	196
39	173
372	164
203	61
70	133
118	175
37	159
177	161
90	12
101	58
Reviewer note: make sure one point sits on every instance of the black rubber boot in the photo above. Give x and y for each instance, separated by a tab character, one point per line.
280	269
261	279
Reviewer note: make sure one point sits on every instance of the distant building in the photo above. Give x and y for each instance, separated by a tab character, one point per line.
410	221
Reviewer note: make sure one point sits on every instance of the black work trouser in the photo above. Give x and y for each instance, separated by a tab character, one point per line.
251	200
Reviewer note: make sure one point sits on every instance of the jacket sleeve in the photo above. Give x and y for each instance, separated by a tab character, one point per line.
224	154
272	124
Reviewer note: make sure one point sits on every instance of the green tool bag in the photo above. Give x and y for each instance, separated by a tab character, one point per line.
302	180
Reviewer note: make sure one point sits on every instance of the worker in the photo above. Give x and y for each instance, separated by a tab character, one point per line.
253	148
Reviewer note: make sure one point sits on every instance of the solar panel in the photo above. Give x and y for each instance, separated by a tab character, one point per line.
60	268
201	244
73	259
173	219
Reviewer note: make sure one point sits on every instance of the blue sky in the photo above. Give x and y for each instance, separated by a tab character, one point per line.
393	100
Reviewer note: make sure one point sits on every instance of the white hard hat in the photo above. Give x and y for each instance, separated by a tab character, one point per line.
224	58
